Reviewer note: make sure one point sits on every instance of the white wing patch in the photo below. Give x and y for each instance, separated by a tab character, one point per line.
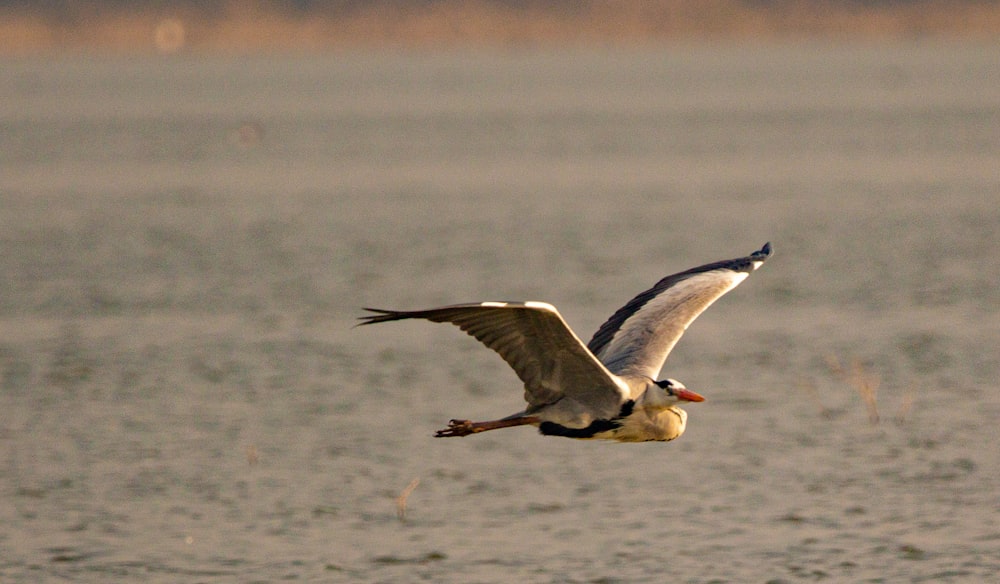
673	297
645	339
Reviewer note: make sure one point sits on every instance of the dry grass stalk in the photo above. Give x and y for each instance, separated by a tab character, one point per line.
865	382
810	387
905	406
253	457
401	500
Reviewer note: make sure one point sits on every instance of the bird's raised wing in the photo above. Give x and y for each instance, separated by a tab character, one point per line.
638	337
537	343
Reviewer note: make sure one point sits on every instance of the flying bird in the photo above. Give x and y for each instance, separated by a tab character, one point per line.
605	389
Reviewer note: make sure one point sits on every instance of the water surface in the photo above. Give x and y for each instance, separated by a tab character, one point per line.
186	244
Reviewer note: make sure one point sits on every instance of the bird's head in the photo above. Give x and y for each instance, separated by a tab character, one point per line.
676	390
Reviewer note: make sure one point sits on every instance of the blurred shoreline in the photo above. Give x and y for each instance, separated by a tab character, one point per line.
247	26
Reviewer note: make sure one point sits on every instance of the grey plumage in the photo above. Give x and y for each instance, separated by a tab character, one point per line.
536	342
604	389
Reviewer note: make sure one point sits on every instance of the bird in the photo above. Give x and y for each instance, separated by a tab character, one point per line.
606	389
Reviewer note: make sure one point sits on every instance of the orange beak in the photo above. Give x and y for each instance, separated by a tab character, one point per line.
688	395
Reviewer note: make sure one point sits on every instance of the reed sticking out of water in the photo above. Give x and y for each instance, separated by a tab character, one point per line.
809	386
905	406
401	499
861	379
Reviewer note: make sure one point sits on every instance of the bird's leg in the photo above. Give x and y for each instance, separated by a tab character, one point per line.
466	427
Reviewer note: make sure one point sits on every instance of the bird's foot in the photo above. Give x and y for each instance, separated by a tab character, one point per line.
457	428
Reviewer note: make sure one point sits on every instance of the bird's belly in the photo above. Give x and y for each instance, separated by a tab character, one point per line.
646	426
640	426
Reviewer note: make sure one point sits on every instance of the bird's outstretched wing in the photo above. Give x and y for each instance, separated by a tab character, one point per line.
638	337
536	342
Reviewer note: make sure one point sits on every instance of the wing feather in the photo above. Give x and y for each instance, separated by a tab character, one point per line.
536	342
637	339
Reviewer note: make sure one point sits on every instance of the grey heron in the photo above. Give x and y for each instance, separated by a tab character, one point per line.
606	389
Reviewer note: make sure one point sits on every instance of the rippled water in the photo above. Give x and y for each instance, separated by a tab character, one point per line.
186	244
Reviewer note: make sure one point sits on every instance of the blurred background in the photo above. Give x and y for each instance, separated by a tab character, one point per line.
306	25
197	198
